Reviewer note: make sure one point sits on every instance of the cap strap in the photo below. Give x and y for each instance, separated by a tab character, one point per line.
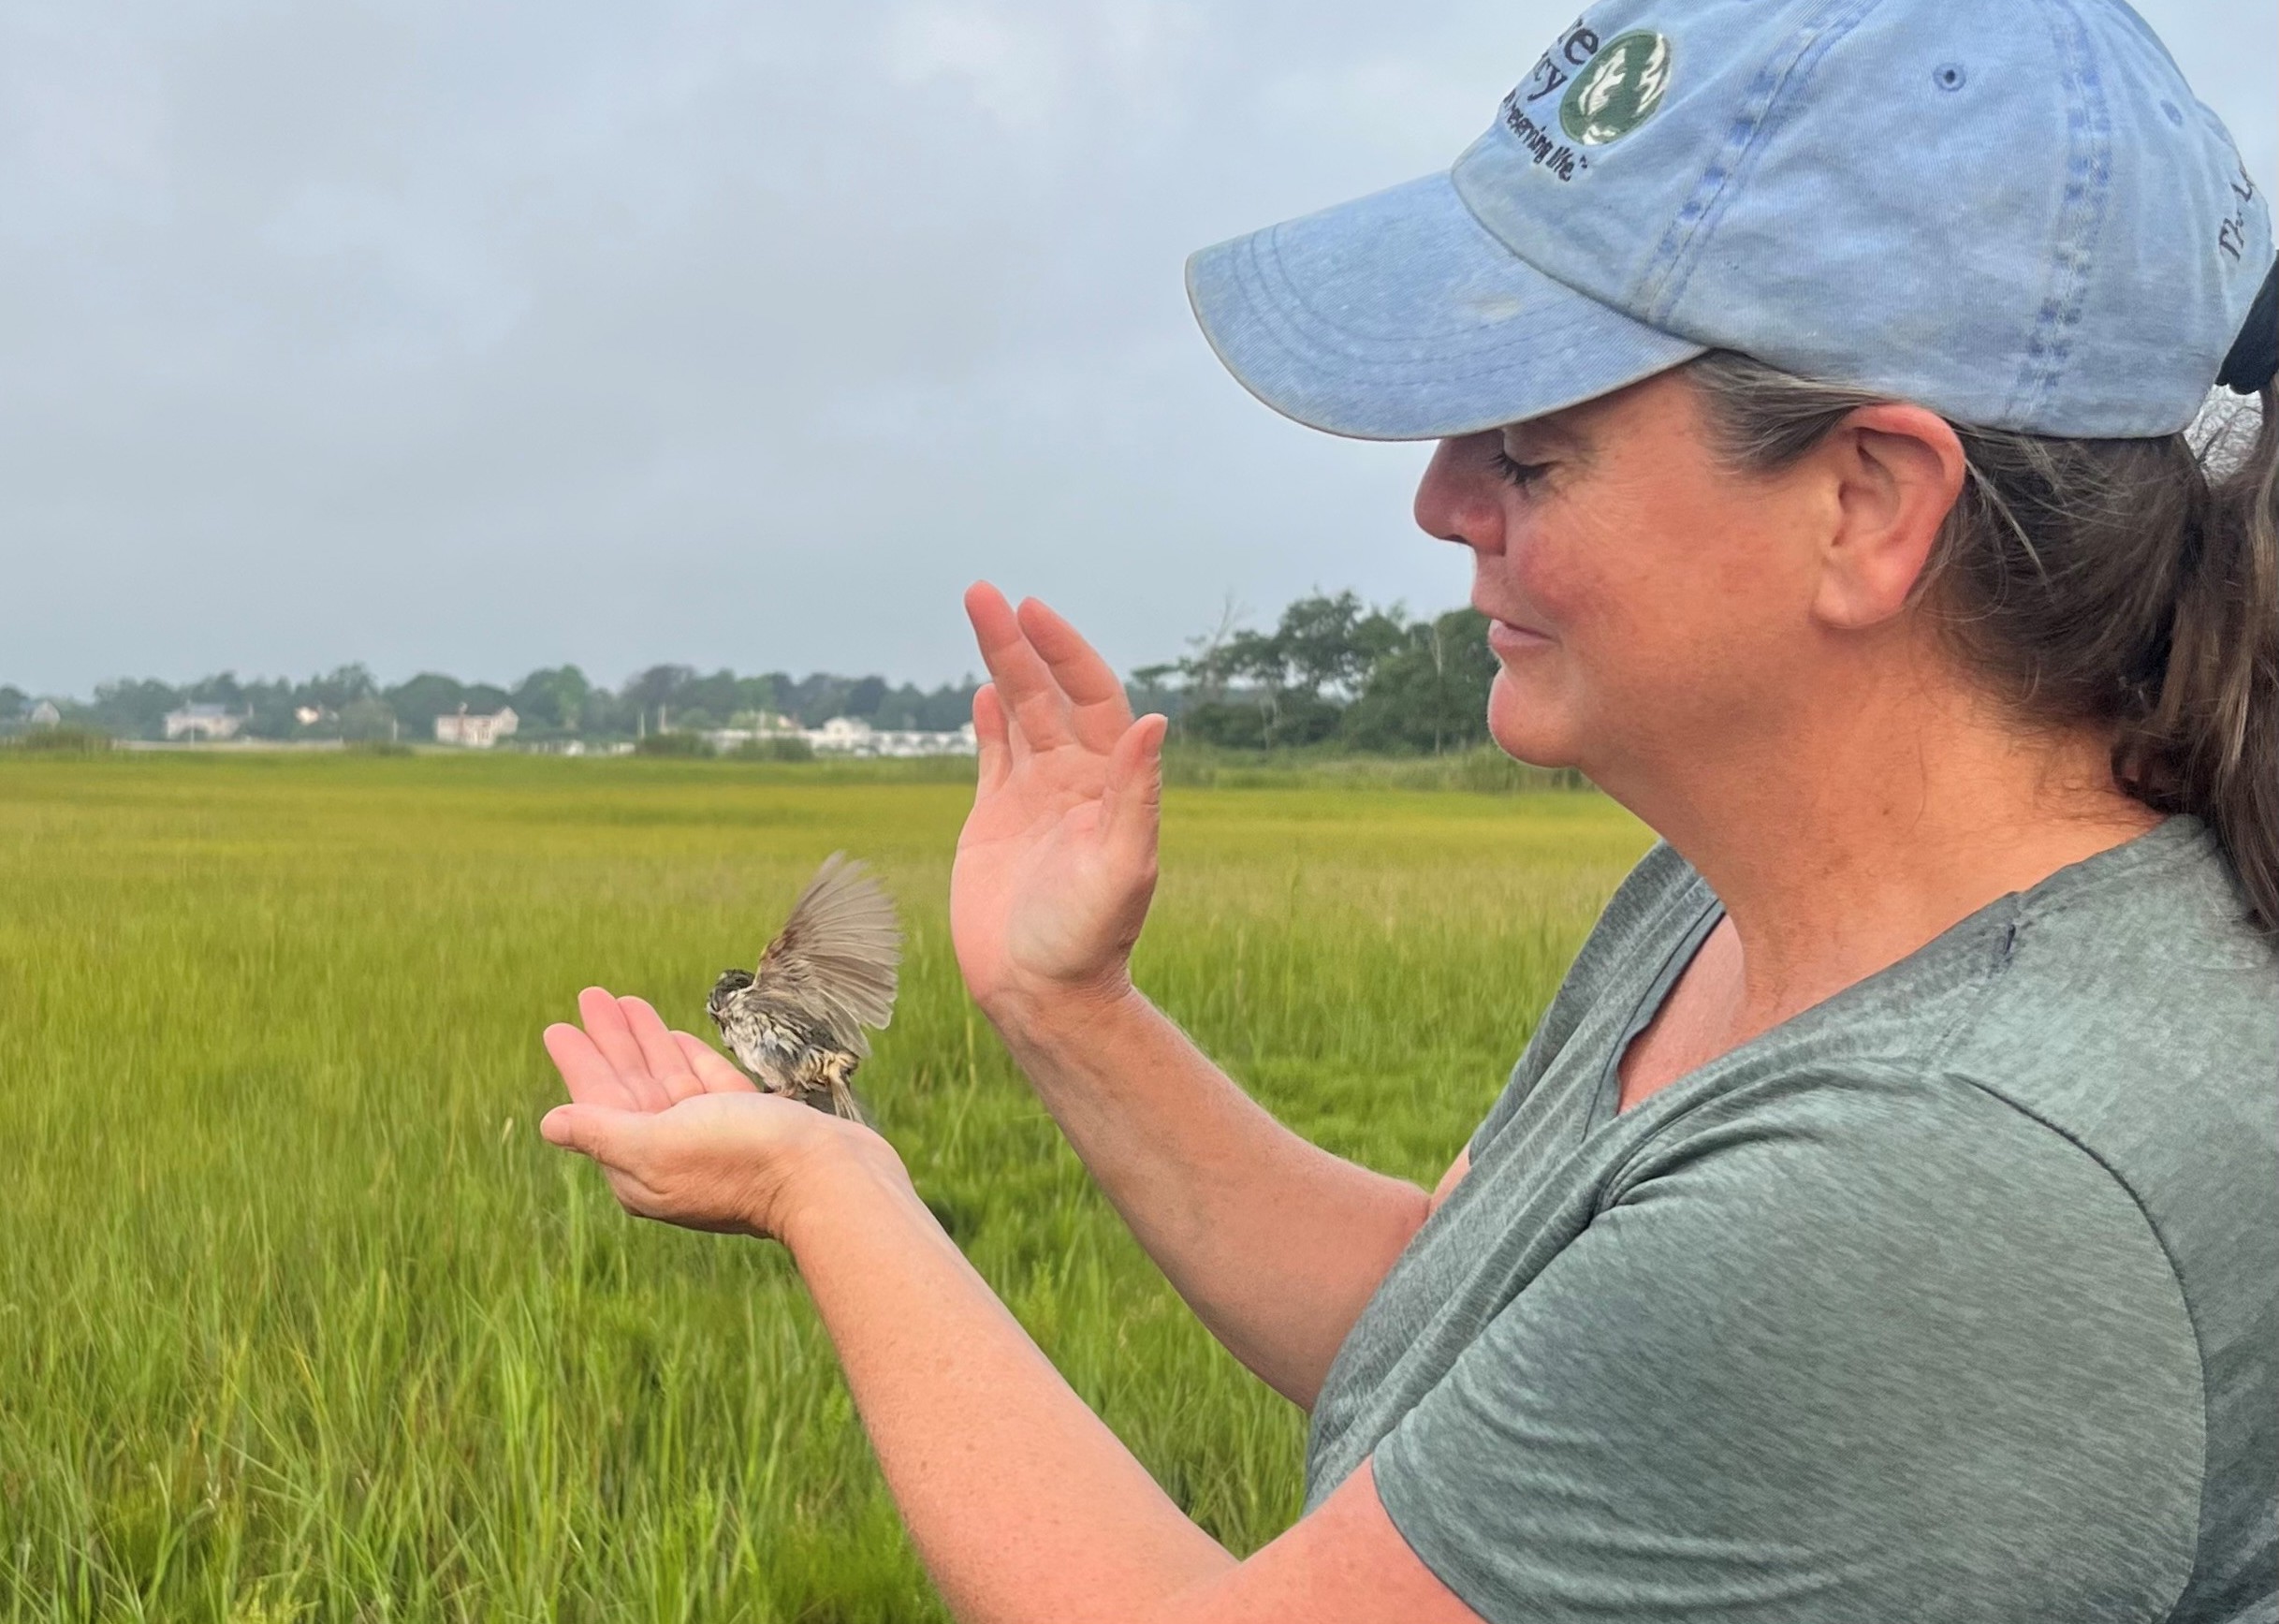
2255	356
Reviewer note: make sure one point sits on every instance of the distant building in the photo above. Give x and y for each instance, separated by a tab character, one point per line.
476	732
206	723
310	715
852	736
763	726
844	736
45	714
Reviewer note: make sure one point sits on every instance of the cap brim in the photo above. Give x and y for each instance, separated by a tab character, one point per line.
1399	317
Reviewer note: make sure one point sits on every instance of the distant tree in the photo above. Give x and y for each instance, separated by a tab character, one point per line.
1331	667
864	696
133	709
1327	645
369	721
222	688
718	696
343	685
553	700
949	706
1429	694
657	685
14	702
268	708
817	698
416	704
897	707
1156	688
606	715
1259	689
756	694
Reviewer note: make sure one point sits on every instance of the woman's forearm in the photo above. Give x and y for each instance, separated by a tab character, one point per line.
1023	1504
1274	1243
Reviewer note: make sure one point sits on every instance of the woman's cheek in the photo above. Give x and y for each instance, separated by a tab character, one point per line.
1556	586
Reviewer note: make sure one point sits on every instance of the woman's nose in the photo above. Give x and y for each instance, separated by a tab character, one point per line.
1458	499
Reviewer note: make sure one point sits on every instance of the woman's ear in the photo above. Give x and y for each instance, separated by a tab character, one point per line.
1898	471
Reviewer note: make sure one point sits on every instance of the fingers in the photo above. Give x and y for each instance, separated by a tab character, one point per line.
1025	686
1098	711
599	1013
1133	809
668	1064
714	1070
990	732
585	1071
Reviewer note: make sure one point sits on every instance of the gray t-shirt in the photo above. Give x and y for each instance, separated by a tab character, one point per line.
1952	1298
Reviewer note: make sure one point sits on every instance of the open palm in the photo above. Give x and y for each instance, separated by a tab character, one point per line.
1057	860
684	1136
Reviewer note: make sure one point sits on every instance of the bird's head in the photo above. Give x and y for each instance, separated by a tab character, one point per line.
731	982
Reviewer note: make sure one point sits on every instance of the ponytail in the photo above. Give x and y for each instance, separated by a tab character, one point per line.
2209	742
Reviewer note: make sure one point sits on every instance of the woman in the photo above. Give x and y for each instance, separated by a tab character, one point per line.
1881	1223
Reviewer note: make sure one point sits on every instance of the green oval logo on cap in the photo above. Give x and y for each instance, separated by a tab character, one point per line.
1618	91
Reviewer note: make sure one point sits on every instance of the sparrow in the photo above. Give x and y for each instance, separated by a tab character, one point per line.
795	1023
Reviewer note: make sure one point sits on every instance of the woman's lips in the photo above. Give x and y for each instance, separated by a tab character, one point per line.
1507	639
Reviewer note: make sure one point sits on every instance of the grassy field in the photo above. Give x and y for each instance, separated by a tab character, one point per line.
298	1318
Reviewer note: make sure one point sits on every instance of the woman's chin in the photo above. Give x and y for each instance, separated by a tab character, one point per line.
1527	727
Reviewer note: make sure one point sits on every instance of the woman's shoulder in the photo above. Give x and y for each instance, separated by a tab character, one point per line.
2125	1006
1644	922
1658	903
2132	1001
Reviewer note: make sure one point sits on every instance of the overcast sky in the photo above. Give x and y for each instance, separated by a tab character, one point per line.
481	336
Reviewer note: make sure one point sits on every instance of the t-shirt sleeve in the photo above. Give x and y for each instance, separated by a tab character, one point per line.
1912	1356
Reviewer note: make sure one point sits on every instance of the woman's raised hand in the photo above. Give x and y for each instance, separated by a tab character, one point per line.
1056	864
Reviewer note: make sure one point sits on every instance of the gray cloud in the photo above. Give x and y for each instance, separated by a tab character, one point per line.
483	337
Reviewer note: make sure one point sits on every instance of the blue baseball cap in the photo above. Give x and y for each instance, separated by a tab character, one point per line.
2012	212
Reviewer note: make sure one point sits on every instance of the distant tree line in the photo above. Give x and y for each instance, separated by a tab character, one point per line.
1332	672
555	703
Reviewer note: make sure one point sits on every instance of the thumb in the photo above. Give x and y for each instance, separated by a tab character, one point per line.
1135	785
609	1137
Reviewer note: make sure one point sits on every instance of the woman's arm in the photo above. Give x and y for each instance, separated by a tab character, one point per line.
1025	1507
1274	1243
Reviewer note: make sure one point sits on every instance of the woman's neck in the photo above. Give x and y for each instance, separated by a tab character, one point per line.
1873	829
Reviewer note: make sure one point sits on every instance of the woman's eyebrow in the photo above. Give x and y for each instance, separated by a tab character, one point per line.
1549	434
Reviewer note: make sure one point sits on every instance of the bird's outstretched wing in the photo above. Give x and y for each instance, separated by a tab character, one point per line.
834	957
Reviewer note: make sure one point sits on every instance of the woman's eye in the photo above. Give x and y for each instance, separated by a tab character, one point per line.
1520	473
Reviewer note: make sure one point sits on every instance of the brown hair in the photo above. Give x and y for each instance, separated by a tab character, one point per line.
2129	584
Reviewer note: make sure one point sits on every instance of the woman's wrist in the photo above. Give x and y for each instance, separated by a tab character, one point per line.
1056	1015
846	1168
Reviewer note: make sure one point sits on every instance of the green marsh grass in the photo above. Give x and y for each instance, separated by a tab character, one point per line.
299	1319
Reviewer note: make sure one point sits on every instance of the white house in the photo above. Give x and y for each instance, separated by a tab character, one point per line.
848	736
844	736
852	736
45	714
476	732
205	723
751	728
